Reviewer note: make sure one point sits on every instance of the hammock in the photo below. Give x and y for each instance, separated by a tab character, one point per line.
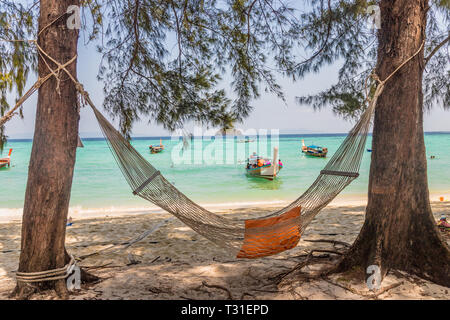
253	238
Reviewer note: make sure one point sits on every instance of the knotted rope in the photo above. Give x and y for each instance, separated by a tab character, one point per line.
48	275
8	116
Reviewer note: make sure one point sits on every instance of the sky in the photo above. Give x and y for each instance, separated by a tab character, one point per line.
269	111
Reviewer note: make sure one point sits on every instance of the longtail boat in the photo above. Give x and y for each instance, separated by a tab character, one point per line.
157	148
263	167
314	151
6	161
246	141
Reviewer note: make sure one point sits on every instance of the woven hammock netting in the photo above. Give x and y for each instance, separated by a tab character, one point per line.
254	238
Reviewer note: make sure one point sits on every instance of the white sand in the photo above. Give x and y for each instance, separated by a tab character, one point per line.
175	261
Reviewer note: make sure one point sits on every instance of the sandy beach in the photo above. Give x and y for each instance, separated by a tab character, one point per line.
176	263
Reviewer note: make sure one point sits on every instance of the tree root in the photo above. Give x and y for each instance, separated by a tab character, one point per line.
334	242
23	291
295	294
328	251
310	259
408	277
360	293
88	278
61	289
246	294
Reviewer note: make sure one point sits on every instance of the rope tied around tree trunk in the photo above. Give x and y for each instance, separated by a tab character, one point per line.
40	81
48	275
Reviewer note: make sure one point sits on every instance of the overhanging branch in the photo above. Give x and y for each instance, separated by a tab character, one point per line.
436	49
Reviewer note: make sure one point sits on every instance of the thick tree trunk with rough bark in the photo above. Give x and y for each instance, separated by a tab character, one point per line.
399	231
53	154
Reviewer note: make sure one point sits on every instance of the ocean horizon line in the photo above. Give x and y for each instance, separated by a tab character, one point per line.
283	135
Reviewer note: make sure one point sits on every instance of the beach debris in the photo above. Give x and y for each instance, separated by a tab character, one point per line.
334	242
158	290
132	259
310	259
156	259
142	236
129	243
103	266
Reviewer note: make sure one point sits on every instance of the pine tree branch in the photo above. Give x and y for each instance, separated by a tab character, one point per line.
330	21
178	31
248	22
436	49
137	43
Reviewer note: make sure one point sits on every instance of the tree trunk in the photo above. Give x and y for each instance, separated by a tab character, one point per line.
53	154
399	231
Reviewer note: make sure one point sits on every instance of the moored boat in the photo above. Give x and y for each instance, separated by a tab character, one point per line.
246	141
263	167
6	162
314	151
157	148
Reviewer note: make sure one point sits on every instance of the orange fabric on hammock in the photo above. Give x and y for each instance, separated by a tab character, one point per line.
265	237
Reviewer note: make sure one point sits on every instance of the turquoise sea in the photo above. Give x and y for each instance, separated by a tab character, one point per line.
208	171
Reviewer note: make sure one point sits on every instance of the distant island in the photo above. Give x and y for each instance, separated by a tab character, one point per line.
229	132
